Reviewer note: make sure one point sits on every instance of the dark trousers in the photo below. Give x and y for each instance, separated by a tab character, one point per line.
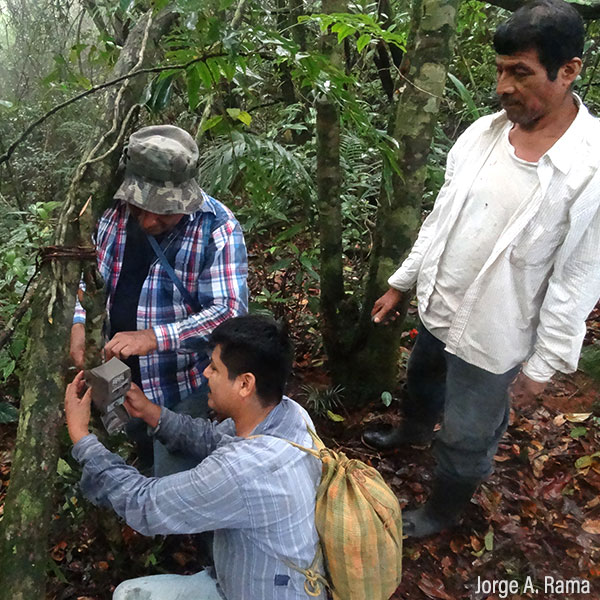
473	405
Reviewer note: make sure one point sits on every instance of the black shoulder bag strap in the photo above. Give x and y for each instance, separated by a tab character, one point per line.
189	300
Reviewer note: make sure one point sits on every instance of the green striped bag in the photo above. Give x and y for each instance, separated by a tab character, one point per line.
359	522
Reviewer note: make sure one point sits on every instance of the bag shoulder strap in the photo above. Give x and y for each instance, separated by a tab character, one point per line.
189	300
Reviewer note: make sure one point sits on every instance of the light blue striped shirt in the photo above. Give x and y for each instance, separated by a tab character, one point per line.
257	494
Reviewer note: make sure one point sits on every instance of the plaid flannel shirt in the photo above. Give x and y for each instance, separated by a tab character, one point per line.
208	254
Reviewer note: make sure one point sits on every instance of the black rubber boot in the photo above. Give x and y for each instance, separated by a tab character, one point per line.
448	500
409	433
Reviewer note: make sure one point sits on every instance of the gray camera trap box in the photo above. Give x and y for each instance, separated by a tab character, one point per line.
110	382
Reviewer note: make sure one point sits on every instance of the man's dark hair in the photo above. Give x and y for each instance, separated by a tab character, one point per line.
552	27
259	345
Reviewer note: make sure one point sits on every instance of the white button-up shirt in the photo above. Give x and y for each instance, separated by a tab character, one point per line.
530	300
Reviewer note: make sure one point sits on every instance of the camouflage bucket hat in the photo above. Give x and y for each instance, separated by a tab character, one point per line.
161	162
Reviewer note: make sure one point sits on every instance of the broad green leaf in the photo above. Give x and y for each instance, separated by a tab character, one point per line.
6	104
289	232
234	113
215	71
344	32
63	468
578	432
8	413
363	40
583	462
386	398
10	366
205	75
193	86
245	118
212	122
125	4
280	265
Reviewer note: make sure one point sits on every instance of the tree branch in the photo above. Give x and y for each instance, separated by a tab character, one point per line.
181	67
585	10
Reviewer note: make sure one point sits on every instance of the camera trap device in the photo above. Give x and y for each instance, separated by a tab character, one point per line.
110	382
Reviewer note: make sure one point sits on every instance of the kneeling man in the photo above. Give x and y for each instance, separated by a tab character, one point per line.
257	493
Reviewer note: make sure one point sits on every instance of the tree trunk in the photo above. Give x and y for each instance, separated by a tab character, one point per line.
368	366
29	502
328	191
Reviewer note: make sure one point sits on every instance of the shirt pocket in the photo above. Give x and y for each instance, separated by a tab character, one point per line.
537	244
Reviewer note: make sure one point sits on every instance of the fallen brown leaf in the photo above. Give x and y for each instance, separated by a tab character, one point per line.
434	588
591	526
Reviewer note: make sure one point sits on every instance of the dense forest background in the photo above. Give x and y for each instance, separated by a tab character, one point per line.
324	125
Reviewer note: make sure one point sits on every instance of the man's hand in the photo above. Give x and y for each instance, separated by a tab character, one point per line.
139	406
131	343
384	309
77	349
77	408
524	391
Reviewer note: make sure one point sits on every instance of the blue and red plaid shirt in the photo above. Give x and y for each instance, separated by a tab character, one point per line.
208	254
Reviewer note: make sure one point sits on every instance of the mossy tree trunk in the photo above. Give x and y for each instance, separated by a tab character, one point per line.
29	502
364	358
329	179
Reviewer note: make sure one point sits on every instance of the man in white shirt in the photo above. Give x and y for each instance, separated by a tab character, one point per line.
507	265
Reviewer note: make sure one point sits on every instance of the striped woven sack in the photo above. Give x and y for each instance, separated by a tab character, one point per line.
358	519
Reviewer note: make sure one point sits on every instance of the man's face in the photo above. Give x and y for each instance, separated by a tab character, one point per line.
222	394
153	223
525	92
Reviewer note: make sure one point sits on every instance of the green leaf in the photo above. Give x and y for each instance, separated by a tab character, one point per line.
161	94
245	118
8	413
6	104
488	540
589	361
281	265
465	96
215	71
125	4
234	113
205	75
63	468
344	32
386	398
289	233
9	368
193	86
578	432
583	462
212	122
334	417
363	40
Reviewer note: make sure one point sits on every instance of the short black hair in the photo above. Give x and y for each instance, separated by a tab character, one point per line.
259	345
552	27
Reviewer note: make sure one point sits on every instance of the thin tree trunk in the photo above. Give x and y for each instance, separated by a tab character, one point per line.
328	190
29	502
369	364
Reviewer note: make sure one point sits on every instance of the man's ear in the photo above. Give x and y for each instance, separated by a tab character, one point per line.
570	70
247	384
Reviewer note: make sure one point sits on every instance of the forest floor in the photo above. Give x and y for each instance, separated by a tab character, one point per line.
536	521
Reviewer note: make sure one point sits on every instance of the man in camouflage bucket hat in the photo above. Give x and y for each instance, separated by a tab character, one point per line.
154	327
